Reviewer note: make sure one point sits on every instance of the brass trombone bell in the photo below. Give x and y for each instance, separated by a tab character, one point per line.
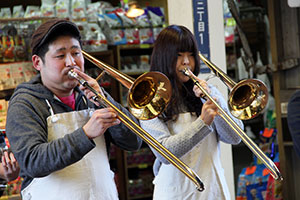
247	98
148	95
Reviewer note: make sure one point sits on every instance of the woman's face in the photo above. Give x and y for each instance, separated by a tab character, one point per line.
185	59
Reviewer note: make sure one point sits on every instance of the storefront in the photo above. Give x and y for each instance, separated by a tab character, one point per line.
265	46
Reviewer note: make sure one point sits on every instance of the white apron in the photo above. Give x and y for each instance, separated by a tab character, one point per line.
88	179
170	183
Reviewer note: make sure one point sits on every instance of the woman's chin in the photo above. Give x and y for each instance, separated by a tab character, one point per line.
185	79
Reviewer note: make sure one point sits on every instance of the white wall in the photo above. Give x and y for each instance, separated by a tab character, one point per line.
180	12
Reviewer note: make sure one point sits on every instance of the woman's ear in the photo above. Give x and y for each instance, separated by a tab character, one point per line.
37	62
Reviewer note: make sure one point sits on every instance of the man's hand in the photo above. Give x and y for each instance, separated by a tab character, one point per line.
100	121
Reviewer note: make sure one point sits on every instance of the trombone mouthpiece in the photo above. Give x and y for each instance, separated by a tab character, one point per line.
185	72
73	74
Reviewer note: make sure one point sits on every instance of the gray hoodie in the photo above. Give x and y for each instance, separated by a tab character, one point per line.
26	129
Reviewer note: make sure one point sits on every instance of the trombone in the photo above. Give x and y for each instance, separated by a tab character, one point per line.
149	95
246	100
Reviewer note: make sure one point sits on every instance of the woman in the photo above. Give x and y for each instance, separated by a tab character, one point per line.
189	127
9	168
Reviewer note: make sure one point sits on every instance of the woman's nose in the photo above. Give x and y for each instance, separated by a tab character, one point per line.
186	60
70	61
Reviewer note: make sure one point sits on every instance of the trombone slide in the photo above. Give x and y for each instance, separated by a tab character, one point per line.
143	134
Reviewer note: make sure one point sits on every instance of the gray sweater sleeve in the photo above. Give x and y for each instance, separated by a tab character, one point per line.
181	143
178	144
224	131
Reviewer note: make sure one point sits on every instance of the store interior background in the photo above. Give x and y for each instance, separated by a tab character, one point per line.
272	30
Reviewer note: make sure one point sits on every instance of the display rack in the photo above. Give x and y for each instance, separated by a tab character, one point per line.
7	20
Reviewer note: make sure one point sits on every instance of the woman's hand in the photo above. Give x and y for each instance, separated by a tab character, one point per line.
198	92
208	112
9	168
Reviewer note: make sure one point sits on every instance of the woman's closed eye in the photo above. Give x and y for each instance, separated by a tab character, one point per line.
185	54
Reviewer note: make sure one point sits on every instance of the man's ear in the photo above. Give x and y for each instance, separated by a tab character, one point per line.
37	62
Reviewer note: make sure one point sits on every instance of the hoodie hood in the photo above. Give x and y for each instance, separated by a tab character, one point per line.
34	87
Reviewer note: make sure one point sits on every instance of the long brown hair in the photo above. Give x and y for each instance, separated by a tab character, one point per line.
170	41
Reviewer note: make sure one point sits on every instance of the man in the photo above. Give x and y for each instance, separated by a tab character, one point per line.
58	135
293	119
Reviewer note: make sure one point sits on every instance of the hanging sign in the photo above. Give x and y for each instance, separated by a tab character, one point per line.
201	31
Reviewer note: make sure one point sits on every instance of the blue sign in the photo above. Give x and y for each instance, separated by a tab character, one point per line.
201	30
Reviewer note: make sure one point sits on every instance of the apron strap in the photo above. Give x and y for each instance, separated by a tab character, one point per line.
54	118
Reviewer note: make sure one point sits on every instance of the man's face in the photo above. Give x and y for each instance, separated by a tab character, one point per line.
63	55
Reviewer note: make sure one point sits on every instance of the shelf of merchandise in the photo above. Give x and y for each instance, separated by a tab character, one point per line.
7	20
11	197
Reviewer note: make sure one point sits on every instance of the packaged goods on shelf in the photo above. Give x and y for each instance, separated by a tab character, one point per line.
145	30
28	70
3	108
47	8
62	8
78	9
252	183
100	23
135	64
32	11
157	19
18	11
120	29
92	11
13	39
3	112
112	28
15	73
20	48
8	48
6	81
93	38
5	13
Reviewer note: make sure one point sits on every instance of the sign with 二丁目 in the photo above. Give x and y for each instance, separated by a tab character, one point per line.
201	30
